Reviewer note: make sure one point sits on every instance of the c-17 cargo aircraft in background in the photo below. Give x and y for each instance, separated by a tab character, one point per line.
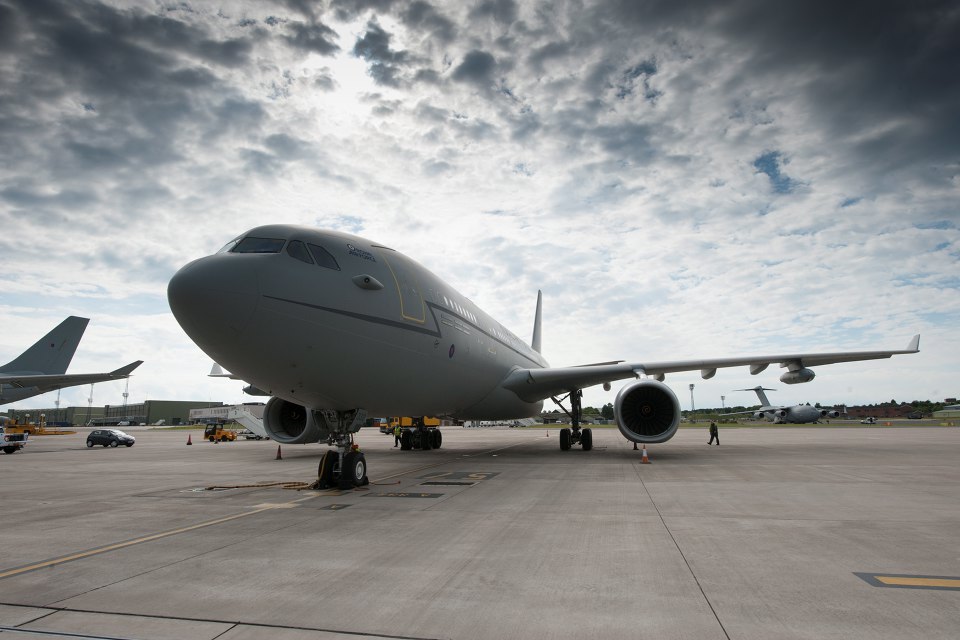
322	321
42	367
797	414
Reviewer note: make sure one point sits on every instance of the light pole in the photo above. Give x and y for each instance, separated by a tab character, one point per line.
723	402
691	401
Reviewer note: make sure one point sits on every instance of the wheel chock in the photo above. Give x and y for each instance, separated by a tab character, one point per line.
189	441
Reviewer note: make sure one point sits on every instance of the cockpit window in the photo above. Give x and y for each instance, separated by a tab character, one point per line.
230	245
258	245
298	250
323	257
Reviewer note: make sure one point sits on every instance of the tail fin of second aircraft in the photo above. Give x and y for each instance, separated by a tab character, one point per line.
52	353
535	343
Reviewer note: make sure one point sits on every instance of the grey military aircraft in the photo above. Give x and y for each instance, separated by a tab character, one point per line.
796	414
322	321
43	366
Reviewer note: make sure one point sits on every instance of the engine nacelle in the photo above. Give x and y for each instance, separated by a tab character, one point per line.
779	413
291	423
798	376
647	412
824	413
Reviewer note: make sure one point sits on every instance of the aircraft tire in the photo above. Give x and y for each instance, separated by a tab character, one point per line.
406	440
586	439
325	470
564	439
353	470
436	438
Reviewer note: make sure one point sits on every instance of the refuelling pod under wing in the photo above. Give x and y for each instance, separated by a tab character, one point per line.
647	411
291	423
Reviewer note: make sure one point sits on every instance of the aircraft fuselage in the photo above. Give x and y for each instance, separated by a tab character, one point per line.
304	324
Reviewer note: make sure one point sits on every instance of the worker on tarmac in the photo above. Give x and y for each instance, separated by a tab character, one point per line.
396	435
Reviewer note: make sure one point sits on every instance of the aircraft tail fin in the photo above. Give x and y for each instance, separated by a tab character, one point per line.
52	353
760	394
535	343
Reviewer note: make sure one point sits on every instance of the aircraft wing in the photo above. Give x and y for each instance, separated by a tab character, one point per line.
532	385
50	382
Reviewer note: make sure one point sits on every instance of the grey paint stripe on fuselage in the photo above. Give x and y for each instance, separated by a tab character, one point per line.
401	325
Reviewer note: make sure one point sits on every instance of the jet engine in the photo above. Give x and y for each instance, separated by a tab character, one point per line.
647	411
798	376
779	413
829	413
291	423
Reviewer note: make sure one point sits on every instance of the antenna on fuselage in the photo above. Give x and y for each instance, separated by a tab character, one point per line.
535	343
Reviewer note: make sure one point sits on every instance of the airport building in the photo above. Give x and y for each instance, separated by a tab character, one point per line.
170	412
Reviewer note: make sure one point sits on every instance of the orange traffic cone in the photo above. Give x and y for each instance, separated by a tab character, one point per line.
279	457
189	442
643	457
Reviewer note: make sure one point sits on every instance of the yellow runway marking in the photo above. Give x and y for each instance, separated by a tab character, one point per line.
943	583
950	583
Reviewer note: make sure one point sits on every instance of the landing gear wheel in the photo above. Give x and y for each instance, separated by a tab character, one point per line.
436	438
586	439
425	440
564	439
353	470
406	441
325	470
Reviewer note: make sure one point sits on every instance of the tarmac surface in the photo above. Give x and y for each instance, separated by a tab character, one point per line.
777	533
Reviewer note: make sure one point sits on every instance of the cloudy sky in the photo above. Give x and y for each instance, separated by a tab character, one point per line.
681	179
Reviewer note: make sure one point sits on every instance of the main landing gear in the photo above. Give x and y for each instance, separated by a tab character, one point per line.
346	467
420	437
574	435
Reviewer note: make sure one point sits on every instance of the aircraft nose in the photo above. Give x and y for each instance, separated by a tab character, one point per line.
213	298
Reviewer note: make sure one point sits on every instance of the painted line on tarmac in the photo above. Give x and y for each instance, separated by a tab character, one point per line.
906	581
9	573
128	543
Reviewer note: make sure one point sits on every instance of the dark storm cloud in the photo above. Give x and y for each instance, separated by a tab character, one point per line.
880	72
386	64
424	18
346	10
316	37
477	68
503	11
111	115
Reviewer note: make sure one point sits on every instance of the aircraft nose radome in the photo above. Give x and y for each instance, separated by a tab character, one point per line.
213	298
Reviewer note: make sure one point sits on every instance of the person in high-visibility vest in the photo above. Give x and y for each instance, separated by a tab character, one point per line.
396	434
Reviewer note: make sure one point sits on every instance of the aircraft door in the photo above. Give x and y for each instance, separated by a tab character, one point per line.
411	301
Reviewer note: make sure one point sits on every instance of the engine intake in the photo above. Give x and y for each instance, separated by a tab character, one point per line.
291	423
647	411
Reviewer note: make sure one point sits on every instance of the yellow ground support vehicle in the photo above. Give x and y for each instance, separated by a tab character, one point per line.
216	433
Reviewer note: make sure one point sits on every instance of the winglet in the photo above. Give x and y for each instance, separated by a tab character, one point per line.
914	345
535	343
125	371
